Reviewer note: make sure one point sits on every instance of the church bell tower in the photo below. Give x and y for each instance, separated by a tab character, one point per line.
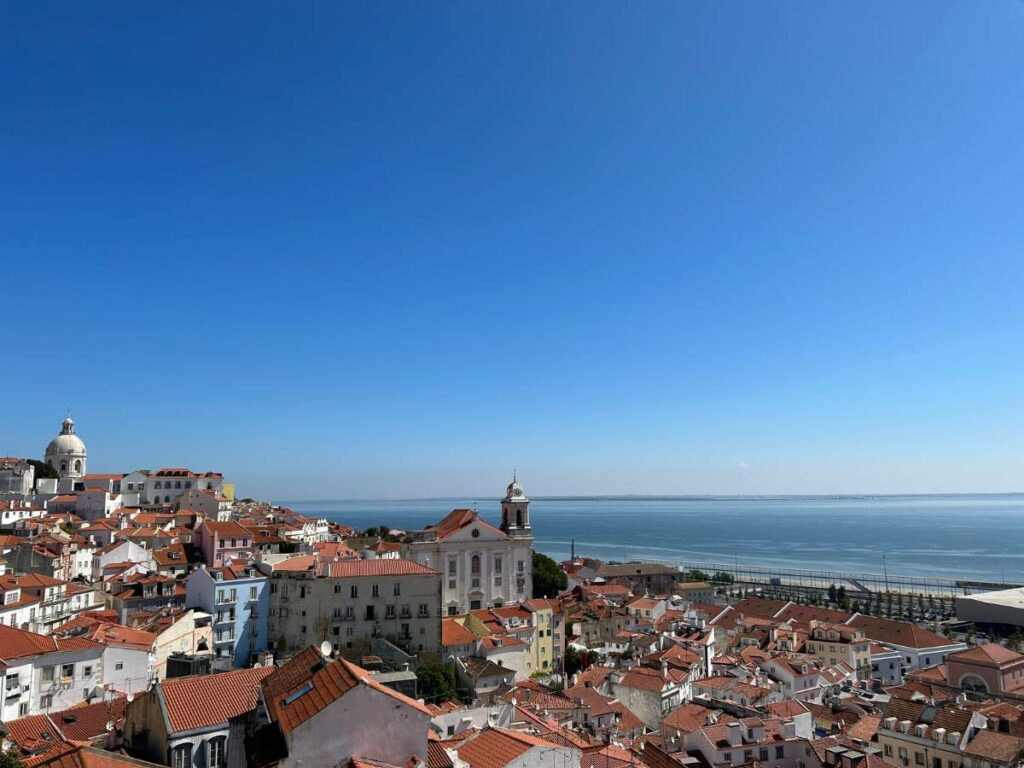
515	511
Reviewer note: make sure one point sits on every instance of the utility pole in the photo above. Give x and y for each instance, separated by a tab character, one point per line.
885	570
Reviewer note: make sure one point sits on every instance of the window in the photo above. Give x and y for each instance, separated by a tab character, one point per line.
376	590
763	754
45	701
252	593
474	605
453	610
396	588
452	566
521	566
156	485
389	611
497	565
370	615
119	666
215	757
87	671
919	758
354	591
233	595
47	672
67	670
181	756
888	750
474	565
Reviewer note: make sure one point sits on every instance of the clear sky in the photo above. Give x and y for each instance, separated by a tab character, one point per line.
397	249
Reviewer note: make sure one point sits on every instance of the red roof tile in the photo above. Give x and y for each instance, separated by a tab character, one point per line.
205	700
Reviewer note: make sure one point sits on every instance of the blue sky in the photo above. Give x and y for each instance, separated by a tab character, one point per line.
397	249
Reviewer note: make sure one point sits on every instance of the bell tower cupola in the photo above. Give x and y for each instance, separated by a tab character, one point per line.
515	511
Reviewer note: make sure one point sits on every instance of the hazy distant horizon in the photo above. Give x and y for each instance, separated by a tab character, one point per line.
658	497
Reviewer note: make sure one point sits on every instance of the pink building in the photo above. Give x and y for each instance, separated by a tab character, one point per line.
222	542
989	668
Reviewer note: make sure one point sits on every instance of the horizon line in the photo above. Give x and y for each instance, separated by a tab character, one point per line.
665	497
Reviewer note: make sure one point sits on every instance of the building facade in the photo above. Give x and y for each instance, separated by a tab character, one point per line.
238	599
350	602
483	566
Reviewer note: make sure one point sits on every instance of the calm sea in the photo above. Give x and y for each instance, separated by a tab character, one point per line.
978	537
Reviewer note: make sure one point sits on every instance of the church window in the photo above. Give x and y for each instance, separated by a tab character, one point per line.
474	565
521	566
452	566
519	518
63	466
497	565
78	465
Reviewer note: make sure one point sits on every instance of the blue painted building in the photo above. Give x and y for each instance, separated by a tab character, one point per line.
237	596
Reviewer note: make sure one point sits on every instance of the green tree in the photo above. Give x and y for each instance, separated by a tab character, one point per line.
841	596
576	660
43	470
10	760
436	683
548	578
832	593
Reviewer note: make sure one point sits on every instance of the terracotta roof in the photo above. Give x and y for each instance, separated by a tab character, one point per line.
437	757
344	569
20	643
226	529
688	717
458	519
453	633
297	564
497	747
307	684
74	755
995	747
207	700
988	654
898	632
865	728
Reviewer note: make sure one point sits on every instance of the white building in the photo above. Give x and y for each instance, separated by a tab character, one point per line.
483	566
17	478
165	485
46	673
350	602
66	452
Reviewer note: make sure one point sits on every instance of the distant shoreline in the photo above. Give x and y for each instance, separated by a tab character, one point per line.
690	497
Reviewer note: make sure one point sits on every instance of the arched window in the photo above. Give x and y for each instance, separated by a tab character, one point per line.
78	465
63	466
519	518
973	683
181	756
474	565
216	752
167	499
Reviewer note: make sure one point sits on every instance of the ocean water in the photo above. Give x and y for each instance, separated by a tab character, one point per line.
977	537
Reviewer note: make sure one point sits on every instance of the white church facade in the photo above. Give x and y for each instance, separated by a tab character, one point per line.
482	566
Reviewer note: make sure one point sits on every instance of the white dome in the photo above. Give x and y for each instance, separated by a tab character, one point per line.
67	442
64	444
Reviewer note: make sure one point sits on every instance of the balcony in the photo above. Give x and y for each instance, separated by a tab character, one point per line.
405	613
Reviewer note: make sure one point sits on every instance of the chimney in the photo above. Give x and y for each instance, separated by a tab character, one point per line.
851	758
735	734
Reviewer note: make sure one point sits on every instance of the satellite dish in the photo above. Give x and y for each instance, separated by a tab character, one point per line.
257	665
109	726
130	697
325	649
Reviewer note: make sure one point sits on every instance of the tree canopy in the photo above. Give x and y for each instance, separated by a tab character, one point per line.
548	578
43	470
436	683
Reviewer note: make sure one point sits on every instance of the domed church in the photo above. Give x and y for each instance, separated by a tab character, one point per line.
66	452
